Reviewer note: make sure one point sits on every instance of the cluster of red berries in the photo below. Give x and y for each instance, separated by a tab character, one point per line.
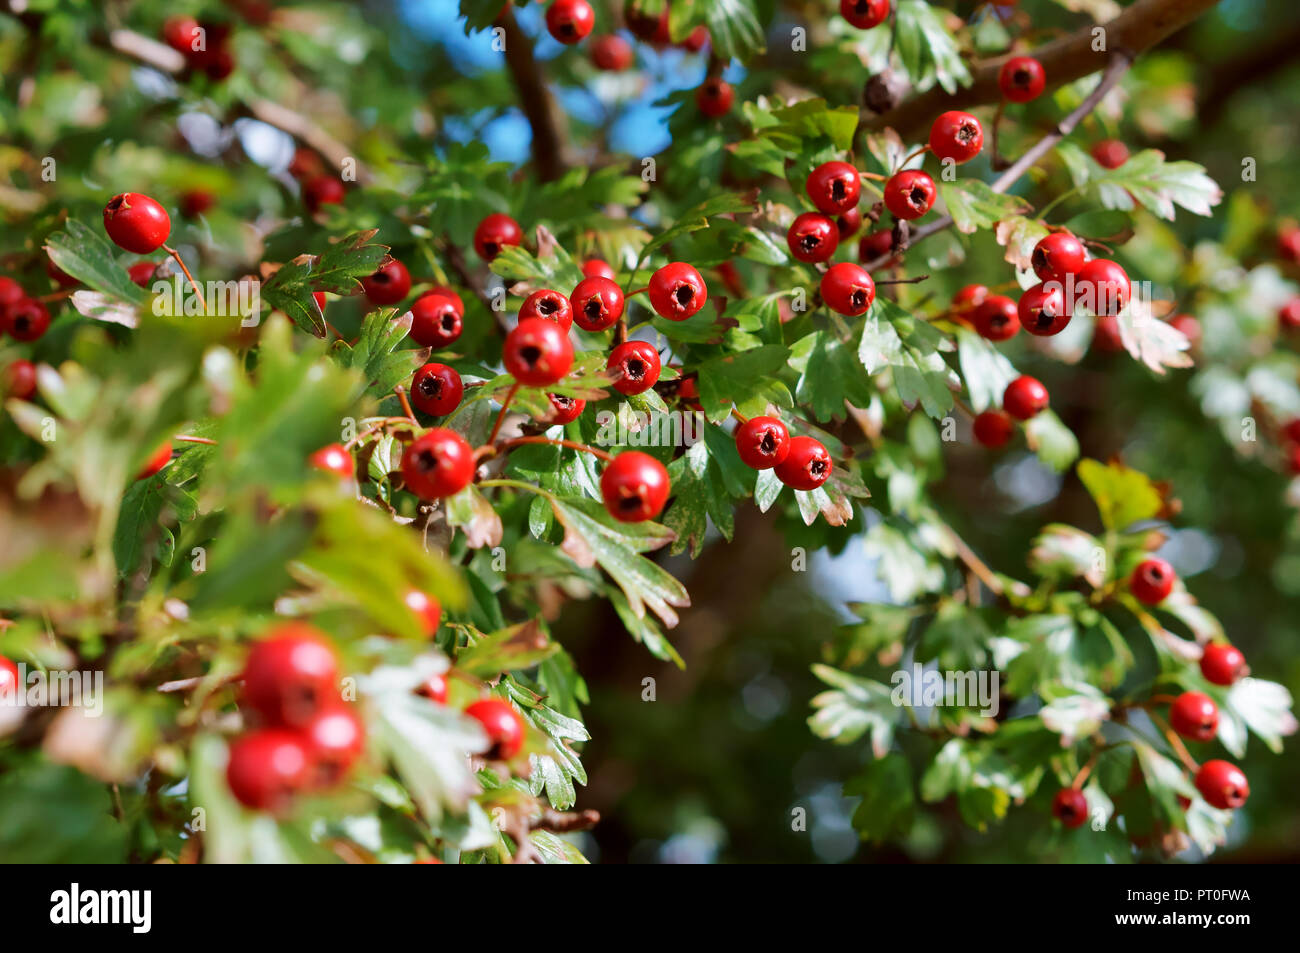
22	317
205	46
764	443
319	186
500	721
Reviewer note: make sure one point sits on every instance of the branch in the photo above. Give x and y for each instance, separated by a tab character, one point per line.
544	114
560	822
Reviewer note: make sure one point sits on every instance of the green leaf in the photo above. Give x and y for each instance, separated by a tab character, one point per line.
734	378
926	48
85	254
909	347
886	808
829	375
1053	442
558	270
973	204
1062	553
339	269
556	771
856	707
54	814
512	649
1158	185
985	370
1124	496
693	220
374	354
734	28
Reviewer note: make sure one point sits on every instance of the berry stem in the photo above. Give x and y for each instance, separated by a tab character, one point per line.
874	177
556	442
1174	742
505	405
400	391
361	437
920	151
193	284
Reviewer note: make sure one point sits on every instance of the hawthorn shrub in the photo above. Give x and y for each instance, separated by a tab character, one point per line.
318	415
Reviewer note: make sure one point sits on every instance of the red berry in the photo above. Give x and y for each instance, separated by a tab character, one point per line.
136	222
1223	785
634	487
267	768
762	442
389	285
537	352
957	136
436	389
58	275
1102	287
426	608
969	297
11	292
504	727
864	14
319	298
1152	581
714	97
321	191
834	187
565	410
677	291
873	245
807	465
27	320
595	268
597	303
335	739
179	34
848	289
812	237
9	680
570	20
611	53
447	293
437	464
993	428
1056	256
653	28
1070	807
494	233
1293	459
1106	336
436	319
291	674
848	223
1110	153
910	194
305	164
1022	79
547	304
1288	316
1024	397
697	39
1222	664
1288	244
636	367
1043	309
1189	326
996	318
1195	716
333	458
161	457
435	688
20	379
141	272
196	201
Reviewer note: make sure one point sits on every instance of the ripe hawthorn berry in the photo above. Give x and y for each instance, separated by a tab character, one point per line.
864	14
436	319
993	428
637	365
714	97
968	298
26	320
1194	715
848	224
1288	316
267	768
494	233
1070	807
136	222
335	739
834	187
11	292
595	268
873	245
333	458
812	237
20	379
1022	79
1056	256
1025	397
1222	784
437	464
141	272
611	53
565	410
179	33
547	304
1288	244
1106	335
997	318
389	285
807	465
1222	664
194	202
957	136
160	458
434	688
1189	326
696	40
436	389
305	164
762	442
650	27
677	291
322	190
426	608
634	487
1152	581
9	680
848	289
537	352
569	21
290	674
1109	153
597	303
1102	287
504	727
1043	309
910	194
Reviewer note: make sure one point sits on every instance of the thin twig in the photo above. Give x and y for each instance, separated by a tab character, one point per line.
505	405
193	284
555	442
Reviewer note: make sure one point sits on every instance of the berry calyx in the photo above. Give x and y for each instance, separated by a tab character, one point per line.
1102	287
27	320
611	53
864	14
290	674
677	291
436	389
569	21
1194	715
136	222
993	428
1056	256
1022	79
335	739
636	367
537	352
812	237
1070	807
267	768
1025	397
634	487
1043	309
910	194
762	442
565	410
997	318
1109	153
504	727
437	464
322	190
547	304
495	232
597	303
595	268
1223	785
834	187
1222	664
437	319
434	688
426	608
1152	581
714	97
19	380
160	458
957	136
333	458
389	285
807	465
848	289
